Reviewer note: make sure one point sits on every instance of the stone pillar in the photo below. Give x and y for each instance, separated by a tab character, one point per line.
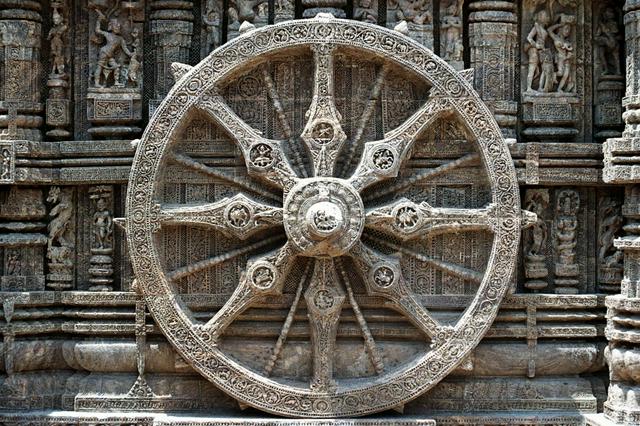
493	40
20	71
172	29
622	167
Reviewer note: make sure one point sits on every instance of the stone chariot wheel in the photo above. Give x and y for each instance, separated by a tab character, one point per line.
320	216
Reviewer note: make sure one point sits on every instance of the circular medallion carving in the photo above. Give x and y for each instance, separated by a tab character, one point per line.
326	224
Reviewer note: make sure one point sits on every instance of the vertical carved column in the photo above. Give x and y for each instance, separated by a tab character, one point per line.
114	97
58	104
493	42
101	270
567	271
622	167
172	29
20	71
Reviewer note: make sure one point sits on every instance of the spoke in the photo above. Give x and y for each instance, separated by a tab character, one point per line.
237	216
324	303
448	267
370	343
284	333
217	260
429	174
323	133
382	159
366	116
382	276
264	275
264	157
284	123
407	220
197	166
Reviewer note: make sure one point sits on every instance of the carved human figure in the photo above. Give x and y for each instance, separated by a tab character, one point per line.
56	35
245	10
14	263
607	39
415	11
108	62
561	36
133	70
537	202
451	25
366	12
211	21
103	222
610	225
538	52
60	216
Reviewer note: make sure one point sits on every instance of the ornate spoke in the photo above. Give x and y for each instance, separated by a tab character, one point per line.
264	157
382	159
192	164
264	275
217	260
407	220
382	276
324	299
237	216
448	267
323	133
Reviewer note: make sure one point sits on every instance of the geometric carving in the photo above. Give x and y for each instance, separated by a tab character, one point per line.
324	217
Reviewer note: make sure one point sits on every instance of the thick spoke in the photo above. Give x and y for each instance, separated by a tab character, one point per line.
217	260
264	275
382	276
323	132
407	220
448	267
197	166
426	175
370	343
237	216
264	157
382	159
324	299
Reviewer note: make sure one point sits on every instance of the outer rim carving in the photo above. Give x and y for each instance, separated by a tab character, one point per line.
400	385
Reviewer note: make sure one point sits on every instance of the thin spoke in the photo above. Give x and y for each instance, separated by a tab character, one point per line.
197	166
451	268
237	216
407	220
323	132
284	123
217	260
263	157
382	276
382	159
324	303
284	333
429	174
370	343
264	275
374	97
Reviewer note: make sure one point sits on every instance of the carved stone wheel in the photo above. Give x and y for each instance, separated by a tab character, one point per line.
322	219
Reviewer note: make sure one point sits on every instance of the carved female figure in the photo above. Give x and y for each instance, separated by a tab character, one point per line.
561	33
103	222
607	38
452	27
56	35
537	40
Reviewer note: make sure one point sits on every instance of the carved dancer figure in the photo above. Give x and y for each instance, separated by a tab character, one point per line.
607	39
107	56
60	217
211	20
561	33
56	35
104	223
538	52
451	24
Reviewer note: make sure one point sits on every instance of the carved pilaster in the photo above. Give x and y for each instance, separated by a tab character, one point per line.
20	71
114	97
414	19
172	29
101	270
493	42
